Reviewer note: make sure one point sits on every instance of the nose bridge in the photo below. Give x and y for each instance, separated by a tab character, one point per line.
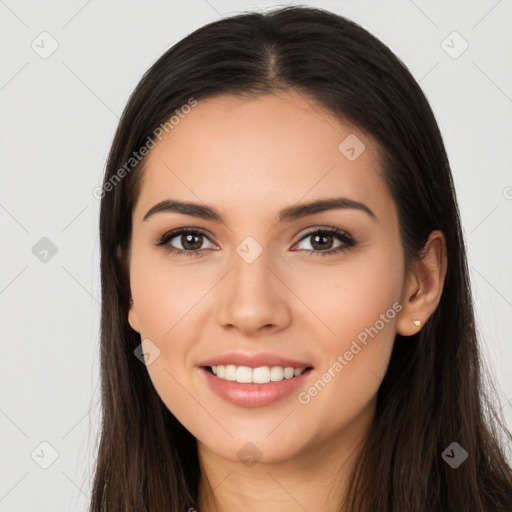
250	297
250	270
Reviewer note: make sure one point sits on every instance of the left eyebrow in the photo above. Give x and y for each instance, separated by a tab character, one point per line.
288	214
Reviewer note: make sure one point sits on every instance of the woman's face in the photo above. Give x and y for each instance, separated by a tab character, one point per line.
268	291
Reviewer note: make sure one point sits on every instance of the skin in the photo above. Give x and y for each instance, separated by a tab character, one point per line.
249	158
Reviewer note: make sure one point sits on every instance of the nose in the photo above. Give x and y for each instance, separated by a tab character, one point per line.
253	298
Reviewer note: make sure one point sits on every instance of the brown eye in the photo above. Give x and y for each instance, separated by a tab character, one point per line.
322	241
190	240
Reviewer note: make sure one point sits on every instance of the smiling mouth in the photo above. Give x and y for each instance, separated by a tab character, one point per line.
259	375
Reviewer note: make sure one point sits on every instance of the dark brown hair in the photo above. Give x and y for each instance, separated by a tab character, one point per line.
433	393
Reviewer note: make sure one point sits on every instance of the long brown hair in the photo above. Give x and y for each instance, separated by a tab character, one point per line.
433	393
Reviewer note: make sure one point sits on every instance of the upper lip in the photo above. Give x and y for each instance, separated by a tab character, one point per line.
254	360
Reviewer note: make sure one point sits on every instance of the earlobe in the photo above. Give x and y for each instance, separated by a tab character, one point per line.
133	319
412	315
424	286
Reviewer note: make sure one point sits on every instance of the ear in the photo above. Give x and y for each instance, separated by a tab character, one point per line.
133	318
423	286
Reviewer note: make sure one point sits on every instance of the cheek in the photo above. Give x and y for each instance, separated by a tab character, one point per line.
168	299
360	307
164	298
165	294
352	296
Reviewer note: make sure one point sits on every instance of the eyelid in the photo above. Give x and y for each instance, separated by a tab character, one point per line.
184	229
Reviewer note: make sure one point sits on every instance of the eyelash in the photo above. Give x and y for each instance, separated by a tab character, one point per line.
344	237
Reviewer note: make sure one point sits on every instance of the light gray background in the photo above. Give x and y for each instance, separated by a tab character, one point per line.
58	117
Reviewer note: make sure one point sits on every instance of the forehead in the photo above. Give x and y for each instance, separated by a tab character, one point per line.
273	150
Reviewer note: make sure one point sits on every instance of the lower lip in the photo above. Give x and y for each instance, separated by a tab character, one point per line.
254	395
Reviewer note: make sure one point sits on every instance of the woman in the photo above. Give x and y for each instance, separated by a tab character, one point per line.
239	369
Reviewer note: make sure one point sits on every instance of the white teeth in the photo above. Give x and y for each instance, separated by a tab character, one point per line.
288	372
260	375
276	373
244	374
230	372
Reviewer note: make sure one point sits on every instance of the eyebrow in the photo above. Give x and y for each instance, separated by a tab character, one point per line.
288	214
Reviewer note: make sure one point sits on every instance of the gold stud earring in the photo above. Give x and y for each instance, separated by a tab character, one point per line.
417	323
